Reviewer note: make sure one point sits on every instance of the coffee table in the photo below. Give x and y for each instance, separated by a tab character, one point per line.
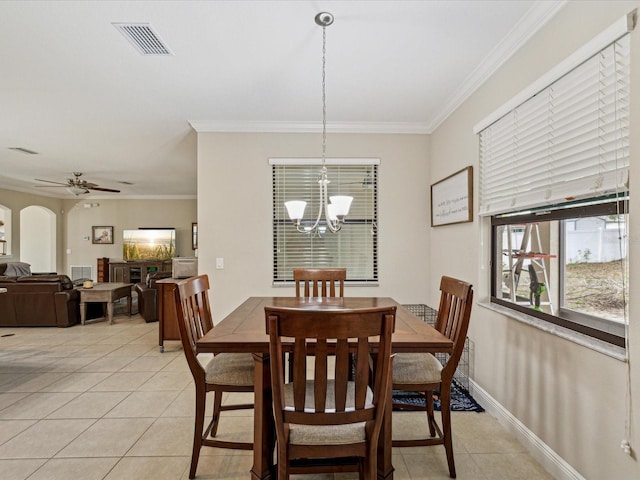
104	293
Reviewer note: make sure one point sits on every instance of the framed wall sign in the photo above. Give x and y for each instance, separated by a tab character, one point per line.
452	199
101	235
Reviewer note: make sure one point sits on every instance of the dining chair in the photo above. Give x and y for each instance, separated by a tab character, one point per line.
423	373
319	282
225	372
327	416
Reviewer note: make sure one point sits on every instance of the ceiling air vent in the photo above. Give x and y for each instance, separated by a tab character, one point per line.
142	36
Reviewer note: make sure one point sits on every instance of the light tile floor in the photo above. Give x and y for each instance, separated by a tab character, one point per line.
101	402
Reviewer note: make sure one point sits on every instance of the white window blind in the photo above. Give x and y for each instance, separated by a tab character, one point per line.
569	141
354	247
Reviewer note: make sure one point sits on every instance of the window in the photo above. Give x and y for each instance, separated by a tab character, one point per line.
567	266
554	181
355	246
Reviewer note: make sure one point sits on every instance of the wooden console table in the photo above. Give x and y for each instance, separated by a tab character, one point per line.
168	321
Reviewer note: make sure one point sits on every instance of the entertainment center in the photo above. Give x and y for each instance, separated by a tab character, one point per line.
135	271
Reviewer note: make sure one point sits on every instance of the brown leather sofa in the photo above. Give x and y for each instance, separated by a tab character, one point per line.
39	301
148	296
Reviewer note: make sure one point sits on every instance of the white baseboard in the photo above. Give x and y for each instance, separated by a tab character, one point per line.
539	450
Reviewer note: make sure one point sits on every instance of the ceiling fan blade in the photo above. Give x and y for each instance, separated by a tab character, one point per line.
49	181
101	189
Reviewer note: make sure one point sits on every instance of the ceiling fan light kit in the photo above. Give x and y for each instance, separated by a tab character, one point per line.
336	207
77	190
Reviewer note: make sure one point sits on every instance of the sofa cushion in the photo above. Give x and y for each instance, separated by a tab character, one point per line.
5	279
3	267
64	280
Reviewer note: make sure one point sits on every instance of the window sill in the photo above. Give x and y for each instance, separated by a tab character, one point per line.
599	346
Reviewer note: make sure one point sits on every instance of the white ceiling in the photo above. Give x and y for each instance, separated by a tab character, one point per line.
75	91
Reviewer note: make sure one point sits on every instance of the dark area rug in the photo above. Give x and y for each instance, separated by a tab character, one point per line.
461	400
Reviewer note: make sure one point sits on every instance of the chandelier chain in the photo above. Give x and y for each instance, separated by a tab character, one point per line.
324	95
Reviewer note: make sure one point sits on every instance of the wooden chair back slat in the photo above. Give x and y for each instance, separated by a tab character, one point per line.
362	371
341	373
299	374
319	282
321	372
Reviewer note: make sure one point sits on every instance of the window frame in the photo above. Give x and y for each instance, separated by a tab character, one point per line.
567	318
314	165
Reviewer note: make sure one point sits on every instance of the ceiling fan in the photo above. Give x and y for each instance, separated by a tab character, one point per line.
77	186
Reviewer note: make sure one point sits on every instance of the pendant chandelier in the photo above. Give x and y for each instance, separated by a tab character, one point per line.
336	207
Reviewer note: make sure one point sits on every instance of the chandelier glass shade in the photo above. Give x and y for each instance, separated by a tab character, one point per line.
335	207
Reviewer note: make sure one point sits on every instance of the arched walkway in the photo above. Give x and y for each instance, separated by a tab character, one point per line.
38	238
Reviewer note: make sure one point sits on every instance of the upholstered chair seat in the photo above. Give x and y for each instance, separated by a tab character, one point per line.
231	369
412	368
326	434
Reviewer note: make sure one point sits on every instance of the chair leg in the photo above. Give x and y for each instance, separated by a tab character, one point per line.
217	404
428	400
371	463
283	462
197	430
445	409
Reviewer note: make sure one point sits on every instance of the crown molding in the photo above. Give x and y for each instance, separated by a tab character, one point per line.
88	197
309	127
531	22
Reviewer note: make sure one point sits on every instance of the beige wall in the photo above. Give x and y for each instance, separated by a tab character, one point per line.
74	223
235	211
571	397
124	215
16	201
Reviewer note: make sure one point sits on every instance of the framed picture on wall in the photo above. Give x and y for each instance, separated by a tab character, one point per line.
452	199
101	235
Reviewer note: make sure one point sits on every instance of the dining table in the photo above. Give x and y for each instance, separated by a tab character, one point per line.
244	331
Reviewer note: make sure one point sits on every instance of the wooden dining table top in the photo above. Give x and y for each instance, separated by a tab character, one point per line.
244	329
